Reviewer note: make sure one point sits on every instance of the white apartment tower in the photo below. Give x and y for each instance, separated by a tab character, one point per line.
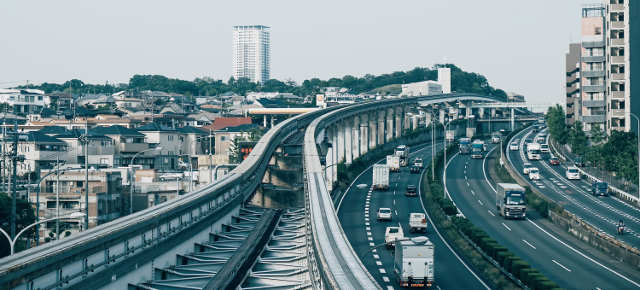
251	52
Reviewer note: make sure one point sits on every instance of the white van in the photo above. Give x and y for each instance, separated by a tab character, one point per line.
573	173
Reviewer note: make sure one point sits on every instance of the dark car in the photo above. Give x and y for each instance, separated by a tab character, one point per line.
578	162
554	161
414	169
600	188
412	190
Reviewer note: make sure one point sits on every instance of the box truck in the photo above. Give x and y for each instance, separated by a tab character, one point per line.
380	177
414	262
393	162
510	200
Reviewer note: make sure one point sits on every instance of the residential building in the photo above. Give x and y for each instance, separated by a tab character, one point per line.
251	52
105	199
224	122
592	63
423	88
101	149
224	141
40	151
24	101
572	83
444	79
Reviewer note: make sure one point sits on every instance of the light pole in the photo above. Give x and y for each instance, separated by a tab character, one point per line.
133	180
638	149
444	161
12	242
190	172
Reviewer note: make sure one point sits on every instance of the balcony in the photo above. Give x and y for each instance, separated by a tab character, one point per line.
616	7
593	119
617	24
592	44
571	90
593	103
617	113
617	59
593	89
617	77
593	74
617	41
617	94
132	147
599	58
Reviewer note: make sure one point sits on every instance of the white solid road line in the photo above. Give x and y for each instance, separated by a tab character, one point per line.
530	245
563	267
508	228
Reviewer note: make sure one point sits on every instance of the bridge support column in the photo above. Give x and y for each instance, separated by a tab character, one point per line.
442	112
340	148
373	132
355	135
264	120
364	137
389	130
347	124
493	112
513	119
398	114
335	160
481	113
381	125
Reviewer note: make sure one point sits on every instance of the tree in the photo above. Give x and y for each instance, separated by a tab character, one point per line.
25	217
578	139
556	122
597	135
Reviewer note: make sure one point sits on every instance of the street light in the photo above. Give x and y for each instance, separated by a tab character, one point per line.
638	140
133	180
12	242
444	161
190	172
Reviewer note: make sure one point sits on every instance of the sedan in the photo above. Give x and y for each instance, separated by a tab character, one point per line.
514	146
554	161
384	213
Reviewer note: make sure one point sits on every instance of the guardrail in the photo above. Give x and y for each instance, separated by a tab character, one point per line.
619	192
83	256
338	264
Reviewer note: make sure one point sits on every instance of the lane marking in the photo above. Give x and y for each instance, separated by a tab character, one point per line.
473	192
376	256
382	271
372	245
480	202
530	245
563	267
395	211
508	228
389	287
385	278
378	263
491	213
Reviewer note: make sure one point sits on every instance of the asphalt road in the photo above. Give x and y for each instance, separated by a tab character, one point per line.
561	261
601	212
357	214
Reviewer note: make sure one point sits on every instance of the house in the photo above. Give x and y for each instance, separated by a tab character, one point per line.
100	148
224	122
24	101
224	140
171	140
40	152
195	142
127	142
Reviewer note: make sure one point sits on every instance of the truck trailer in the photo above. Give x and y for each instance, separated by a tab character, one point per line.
380	177
402	151
393	162
414	262
510	200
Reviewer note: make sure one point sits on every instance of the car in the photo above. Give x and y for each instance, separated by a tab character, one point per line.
418	162
544	148
414	169
391	235
412	190
526	168
540	140
573	173
384	214
534	173
600	188
514	146
554	161
578	162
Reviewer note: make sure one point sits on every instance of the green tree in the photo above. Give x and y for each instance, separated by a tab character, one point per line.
577	139
25	217
597	135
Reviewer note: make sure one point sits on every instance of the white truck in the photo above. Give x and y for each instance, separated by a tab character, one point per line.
402	151
533	151
391	234
414	262
380	177
393	162
417	222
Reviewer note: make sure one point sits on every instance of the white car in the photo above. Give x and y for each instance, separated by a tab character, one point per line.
544	148
384	213
526	168
392	234
573	173
534	173
514	146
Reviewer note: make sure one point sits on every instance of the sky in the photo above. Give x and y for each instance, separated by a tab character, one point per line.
518	45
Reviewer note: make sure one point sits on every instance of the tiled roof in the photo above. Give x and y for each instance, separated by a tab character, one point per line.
224	122
153	127
38	137
115	130
192	130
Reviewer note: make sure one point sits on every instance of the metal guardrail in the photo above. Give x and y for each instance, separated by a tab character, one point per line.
83	256
338	264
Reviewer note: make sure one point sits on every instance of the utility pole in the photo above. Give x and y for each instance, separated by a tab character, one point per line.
14	160
210	159
85	142
57	197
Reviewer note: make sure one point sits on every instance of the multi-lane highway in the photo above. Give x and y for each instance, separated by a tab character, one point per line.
560	260
601	212
357	213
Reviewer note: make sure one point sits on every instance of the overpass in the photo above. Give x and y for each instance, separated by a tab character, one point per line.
174	244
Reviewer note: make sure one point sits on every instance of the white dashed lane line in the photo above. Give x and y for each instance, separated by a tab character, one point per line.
378	263
491	213
530	245
385	278
382	271
563	267
480	202
507	227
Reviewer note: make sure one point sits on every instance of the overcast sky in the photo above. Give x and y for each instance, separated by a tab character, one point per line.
518	45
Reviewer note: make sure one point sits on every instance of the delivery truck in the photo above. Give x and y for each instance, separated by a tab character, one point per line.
465	145
402	151
414	262
477	149
510	200
533	151
380	177
417	222
393	162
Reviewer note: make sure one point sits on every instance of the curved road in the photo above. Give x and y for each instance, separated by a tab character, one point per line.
357	214
601	212
564	263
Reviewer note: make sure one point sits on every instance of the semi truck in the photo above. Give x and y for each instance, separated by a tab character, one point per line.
380	177
510	200
402	151
393	162
477	149
414	262
465	145
533	151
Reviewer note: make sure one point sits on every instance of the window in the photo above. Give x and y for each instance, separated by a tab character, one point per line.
598	30
170	137
79	183
39	98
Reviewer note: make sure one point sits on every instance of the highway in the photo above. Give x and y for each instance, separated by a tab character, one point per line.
560	260
357	214
601	212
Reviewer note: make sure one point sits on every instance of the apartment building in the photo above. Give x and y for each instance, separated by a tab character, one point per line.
572	91
252	52
592	63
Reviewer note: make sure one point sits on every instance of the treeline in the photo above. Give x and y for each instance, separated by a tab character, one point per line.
461	81
616	153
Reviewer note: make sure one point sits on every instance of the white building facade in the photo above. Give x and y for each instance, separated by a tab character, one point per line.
252	52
